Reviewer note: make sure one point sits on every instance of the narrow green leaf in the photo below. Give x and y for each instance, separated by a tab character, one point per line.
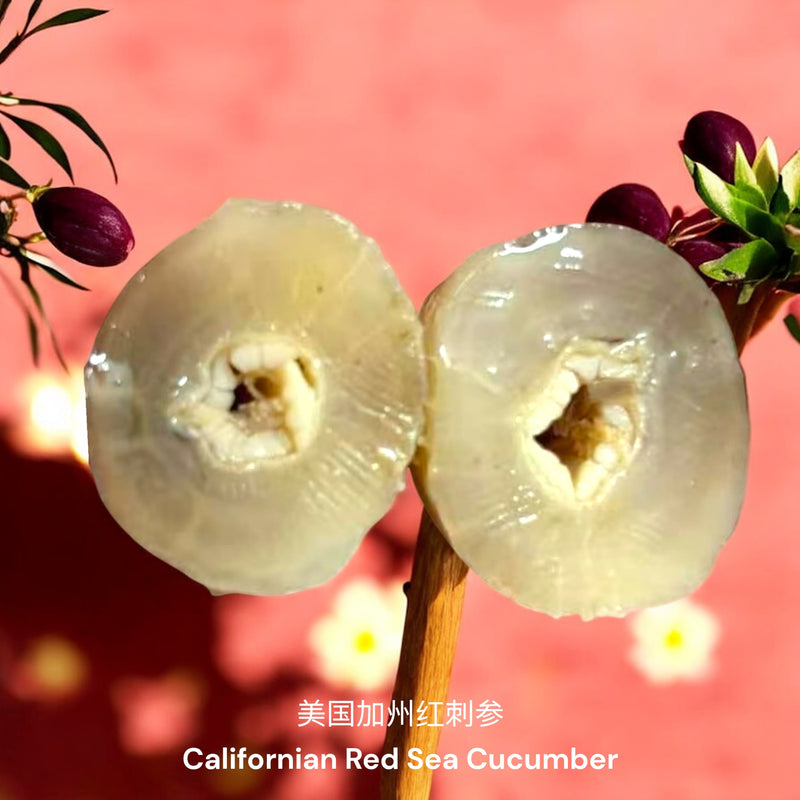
44	139
33	336
10	48
753	261
4	4
790	178
727	202
51	268
26	279
67	18
745	293
790	320
10	175
745	180
32	13
76	119
713	191
33	332
779	205
765	167
5	144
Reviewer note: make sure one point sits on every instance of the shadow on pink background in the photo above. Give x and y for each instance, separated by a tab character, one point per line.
438	128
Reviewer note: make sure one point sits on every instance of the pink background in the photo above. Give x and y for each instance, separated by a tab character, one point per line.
438	128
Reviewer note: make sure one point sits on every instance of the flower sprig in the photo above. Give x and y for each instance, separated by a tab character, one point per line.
748	232
762	203
65	18
78	222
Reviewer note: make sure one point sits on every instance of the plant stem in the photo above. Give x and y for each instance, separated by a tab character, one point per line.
435	600
770	306
748	319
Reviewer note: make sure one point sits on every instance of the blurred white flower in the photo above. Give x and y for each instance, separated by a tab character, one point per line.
674	642
358	643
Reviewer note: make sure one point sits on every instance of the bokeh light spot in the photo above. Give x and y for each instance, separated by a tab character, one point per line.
157	715
51	669
53	417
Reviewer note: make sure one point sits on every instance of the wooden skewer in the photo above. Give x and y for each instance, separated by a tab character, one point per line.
435	600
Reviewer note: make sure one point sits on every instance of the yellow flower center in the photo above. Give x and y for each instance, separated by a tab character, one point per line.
365	642
673	639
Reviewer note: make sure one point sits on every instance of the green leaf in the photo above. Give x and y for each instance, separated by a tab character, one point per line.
751	261
10	47
745	293
33	332
32	13
10	175
779	205
790	180
790	320
4	4
26	279
67	18
5	144
51	268
787	195
727	201
44	139
33	336
765	167
713	191
745	180
76	119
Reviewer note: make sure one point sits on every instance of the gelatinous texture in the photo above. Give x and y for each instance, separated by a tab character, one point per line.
254	397
586	439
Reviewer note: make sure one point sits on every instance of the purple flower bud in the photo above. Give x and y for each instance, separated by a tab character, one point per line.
698	251
634	206
84	226
710	139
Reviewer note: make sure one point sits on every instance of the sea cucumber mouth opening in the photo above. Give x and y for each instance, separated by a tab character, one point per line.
259	403
585	427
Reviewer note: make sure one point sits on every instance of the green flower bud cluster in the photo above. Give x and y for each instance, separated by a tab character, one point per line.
748	233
